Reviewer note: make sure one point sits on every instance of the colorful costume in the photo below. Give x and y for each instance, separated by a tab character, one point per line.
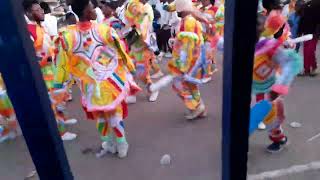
274	70
139	17
44	49
219	17
93	54
119	27
188	64
210	38
8	122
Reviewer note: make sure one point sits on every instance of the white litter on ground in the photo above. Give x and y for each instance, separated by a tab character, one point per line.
269	175
165	160
295	125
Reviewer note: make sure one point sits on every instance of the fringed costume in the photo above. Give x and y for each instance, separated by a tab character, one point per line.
188	65
94	55
274	70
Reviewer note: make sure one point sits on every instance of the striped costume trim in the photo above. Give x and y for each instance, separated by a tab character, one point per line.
117	82
109	107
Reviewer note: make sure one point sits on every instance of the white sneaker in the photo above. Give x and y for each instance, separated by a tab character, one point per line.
69	98
68	136
131	99
159	59
199	112
109	147
154	96
206	80
157	75
71	122
122	149
168	55
262	126
161	54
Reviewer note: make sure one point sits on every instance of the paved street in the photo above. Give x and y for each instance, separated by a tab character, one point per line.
155	129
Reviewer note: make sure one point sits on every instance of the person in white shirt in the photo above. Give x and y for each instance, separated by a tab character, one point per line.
50	23
168	22
100	16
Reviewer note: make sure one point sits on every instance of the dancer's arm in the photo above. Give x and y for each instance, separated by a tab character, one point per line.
127	61
290	63
60	75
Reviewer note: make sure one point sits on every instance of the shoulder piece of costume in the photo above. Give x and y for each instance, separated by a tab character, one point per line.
192	29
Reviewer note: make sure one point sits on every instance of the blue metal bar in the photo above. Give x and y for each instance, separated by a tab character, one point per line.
29	96
239	43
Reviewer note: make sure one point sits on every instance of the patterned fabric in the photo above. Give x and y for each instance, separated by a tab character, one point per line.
141	17
58	100
276	117
109	124
209	37
219	16
274	68
43	46
188	92
8	122
189	51
93	54
188	61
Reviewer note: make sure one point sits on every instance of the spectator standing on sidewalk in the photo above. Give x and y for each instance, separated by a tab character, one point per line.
310	24
294	20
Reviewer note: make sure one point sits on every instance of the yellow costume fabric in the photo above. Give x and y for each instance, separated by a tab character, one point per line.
8	121
93	54
188	41
210	37
141	16
185	62
219	16
44	50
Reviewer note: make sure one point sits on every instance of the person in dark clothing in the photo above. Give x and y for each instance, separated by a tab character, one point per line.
310	24
294	20
45	7
163	31
270	5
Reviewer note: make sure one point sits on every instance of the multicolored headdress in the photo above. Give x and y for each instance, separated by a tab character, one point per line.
273	24
134	11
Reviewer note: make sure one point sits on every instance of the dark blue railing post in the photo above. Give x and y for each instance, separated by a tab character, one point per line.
239	39
29	96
